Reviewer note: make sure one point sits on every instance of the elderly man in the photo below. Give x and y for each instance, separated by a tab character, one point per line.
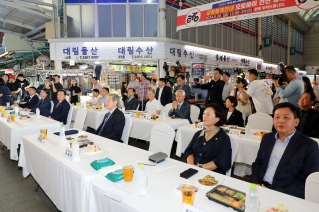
96	84
104	95
61	108
181	86
153	106
114	121
131	102
95	98
285	158
34	99
180	108
215	87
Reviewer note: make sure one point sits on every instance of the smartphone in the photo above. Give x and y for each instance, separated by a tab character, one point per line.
188	173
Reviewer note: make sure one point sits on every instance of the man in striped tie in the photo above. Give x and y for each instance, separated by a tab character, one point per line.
113	122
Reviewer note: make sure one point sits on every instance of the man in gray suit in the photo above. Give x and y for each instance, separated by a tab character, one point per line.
131	102
180	108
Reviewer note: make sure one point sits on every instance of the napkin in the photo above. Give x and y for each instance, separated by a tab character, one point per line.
99	164
68	132
115	176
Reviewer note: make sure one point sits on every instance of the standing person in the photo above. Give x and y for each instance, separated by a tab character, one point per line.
181	86
153	84
163	93
124	91
14	86
259	91
196	83
5	93
24	85
290	92
61	108
307	84
134	84
315	88
228	87
96	84
244	108
143	88
215	87
5	77
45	85
74	92
56	86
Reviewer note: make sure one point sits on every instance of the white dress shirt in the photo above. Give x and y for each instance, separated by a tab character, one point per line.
153	106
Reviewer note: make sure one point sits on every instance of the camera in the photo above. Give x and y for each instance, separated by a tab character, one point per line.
282	77
241	80
52	80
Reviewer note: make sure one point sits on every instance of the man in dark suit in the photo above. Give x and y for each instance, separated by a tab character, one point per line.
215	87
180	108
33	100
114	121
285	158
163	93
309	124
61	108
180	79
131	102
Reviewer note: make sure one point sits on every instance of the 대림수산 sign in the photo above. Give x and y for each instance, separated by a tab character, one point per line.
233	10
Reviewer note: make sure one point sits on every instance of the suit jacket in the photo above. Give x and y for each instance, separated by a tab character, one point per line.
236	118
215	90
131	105
29	104
166	96
60	113
114	126
44	107
311	127
300	159
184	112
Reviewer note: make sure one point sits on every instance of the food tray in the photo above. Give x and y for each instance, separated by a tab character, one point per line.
228	194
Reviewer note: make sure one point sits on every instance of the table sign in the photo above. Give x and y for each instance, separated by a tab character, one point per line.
40	138
148	117
9	119
200	126
234	132
68	153
189	208
133	115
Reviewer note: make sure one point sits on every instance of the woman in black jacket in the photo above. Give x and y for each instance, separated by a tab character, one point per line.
234	117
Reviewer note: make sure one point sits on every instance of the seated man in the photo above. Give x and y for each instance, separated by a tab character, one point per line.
114	121
309	124
104	94
131	102
180	108
285	158
34	99
94	101
153	106
61	108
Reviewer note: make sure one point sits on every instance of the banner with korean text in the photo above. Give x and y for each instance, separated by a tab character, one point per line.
235	10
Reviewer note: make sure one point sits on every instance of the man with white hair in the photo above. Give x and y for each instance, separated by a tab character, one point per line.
180	107
153	106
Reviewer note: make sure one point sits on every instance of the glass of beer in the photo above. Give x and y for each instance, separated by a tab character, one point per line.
196	123
188	193
88	106
138	114
5	113
99	107
77	104
12	117
0	108
154	116
44	132
128	169
262	135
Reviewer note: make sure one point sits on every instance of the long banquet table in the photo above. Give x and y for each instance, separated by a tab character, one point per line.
11	133
75	186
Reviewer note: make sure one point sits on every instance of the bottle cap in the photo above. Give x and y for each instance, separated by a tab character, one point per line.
141	165
253	186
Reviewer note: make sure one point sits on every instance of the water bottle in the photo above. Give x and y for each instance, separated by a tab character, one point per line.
252	199
75	150
16	111
196	96
141	181
18	99
37	112
62	131
247	130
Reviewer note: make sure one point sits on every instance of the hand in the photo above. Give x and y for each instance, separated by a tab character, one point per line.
174	105
206	78
135	87
276	84
285	83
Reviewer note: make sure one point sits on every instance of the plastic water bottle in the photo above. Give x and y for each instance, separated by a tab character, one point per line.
75	150
247	130
18	99
196	96
37	112
141	181
252	199
62	131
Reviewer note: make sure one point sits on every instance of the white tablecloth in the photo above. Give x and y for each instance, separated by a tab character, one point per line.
93	118
141	129
11	133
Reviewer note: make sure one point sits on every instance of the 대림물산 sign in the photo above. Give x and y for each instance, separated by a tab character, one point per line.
233	10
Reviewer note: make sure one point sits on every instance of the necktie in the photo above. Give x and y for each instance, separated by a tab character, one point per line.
104	122
57	105
179	106
128	99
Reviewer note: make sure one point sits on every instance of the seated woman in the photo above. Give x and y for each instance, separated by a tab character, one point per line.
5	94
44	104
234	117
211	148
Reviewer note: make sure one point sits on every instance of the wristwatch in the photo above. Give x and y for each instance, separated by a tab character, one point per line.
200	165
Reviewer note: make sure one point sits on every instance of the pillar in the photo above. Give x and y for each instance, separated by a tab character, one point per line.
162	19
288	42
259	38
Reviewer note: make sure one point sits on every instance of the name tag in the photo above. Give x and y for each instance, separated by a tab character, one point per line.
200	126
9	119
40	138
133	115
68	154
189	208
148	117
234	132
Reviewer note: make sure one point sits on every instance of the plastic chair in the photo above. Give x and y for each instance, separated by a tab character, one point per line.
79	119
52	106
260	121
194	113
168	107
312	188
68	121
162	137
127	129
234	148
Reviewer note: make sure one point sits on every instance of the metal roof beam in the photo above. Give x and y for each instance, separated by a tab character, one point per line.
9	13
10	32
38	36
17	23
33	31
30	19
